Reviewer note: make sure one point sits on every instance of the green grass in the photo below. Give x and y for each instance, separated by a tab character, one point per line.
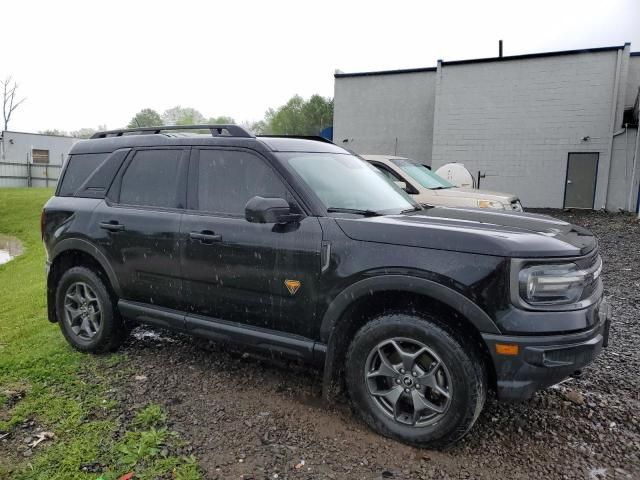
43	380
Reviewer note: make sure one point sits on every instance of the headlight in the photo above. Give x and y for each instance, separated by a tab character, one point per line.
490	204
553	284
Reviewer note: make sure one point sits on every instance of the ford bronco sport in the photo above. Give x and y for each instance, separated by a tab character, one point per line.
295	246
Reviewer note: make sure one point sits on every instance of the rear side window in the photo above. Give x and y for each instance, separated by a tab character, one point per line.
151	179
79	167
228	179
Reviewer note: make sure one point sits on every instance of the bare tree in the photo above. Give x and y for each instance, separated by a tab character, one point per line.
9	102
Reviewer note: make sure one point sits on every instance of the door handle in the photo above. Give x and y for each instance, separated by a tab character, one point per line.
112	226
569	182
206	236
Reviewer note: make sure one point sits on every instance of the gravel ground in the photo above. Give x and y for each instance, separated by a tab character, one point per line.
247	417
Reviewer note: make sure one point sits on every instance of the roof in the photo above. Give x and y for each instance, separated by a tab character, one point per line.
534	55
38	134
386	72
273	144
487	59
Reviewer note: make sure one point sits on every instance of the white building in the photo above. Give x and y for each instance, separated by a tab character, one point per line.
560	129
32	159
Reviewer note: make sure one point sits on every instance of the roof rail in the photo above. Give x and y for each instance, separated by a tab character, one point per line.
317	138
216	130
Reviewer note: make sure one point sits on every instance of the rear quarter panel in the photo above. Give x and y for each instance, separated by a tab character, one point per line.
68	217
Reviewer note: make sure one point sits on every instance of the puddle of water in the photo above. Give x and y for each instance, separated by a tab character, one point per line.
143	333
10	247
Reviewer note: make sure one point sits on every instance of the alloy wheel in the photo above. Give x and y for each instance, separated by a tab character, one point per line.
82	310
408	381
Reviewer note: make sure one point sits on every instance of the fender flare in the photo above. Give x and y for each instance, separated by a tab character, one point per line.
369	286
405	283
90	249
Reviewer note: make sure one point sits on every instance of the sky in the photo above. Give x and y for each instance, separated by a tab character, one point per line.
83	64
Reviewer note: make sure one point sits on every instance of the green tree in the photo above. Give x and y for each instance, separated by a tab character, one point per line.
300	117
182	116
221	120
318	114
54	132
257	128
146	117
87	132
287	119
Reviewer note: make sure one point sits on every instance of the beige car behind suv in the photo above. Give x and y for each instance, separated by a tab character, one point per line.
427	188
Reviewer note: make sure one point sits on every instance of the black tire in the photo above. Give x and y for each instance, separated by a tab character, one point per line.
111	332
461	389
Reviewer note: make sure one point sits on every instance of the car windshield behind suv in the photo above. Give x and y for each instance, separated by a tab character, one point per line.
422	175
345	182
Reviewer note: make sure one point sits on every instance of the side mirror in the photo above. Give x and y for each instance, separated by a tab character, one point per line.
400	184
269	210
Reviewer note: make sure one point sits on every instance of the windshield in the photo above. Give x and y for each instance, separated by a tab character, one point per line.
422	175
346	182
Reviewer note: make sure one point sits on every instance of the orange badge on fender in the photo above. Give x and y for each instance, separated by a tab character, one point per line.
292	285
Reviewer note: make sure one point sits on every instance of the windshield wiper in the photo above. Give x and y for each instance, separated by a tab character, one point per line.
439	188
366	213
417	208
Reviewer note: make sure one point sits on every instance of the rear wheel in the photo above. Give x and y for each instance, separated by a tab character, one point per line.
412	379
86	313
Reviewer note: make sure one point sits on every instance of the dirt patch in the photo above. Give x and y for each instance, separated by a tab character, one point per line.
10	247
247	417
21	441
11	395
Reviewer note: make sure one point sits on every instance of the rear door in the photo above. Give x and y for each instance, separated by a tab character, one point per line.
582	172
260	274
139	225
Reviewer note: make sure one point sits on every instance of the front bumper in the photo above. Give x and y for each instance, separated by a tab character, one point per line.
542	361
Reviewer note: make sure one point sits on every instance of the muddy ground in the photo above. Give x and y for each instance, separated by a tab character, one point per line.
247	417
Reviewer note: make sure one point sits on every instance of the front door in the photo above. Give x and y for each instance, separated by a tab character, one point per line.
261	274
582	171
139	226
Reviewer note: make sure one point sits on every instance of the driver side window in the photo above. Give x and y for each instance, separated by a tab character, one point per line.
227	179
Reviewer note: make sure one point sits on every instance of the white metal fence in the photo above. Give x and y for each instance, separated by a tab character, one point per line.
15	174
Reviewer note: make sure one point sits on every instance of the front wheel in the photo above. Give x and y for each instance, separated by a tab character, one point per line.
411	379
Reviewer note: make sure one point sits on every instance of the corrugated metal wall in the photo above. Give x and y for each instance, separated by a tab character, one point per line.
17	168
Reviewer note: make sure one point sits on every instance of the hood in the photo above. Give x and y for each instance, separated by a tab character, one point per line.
487	232
476	194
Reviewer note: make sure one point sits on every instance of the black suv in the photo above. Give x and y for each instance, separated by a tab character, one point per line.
295	246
